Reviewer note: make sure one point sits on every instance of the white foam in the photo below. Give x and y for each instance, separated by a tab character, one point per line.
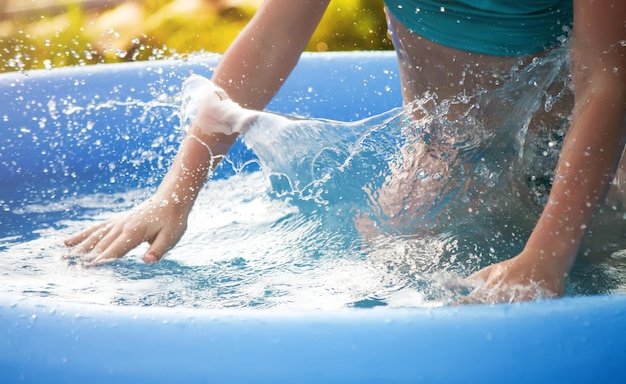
209	108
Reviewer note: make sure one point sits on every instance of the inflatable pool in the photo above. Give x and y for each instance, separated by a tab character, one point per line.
53	142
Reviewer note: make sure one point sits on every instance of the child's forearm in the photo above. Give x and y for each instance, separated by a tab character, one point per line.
215	121
188	173
594	143
251	72
582	178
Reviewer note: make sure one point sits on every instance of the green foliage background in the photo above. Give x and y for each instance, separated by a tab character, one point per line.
156	29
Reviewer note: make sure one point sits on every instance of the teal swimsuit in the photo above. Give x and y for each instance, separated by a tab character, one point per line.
493	27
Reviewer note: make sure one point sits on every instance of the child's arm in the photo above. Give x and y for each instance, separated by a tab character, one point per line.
591	152
258	62
251	72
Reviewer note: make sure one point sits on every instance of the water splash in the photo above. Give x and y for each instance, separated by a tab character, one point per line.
409	201
417	171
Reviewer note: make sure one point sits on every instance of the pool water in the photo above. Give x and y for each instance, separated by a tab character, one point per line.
246	250
393	210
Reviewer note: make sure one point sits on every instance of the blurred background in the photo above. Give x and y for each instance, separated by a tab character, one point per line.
38	34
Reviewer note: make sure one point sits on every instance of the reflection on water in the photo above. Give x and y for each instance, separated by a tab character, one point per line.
389	211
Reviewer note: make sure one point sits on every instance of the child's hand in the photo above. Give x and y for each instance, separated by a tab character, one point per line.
528	276
213	120
160	223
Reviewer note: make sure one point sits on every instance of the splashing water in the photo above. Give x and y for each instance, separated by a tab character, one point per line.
413	172
392	210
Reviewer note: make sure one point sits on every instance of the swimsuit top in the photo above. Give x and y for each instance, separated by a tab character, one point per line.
493	27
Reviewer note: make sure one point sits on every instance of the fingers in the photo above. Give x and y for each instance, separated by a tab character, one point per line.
161	244
502	292
117	246
86	241
483	275
103	242
155	224
81	236
466	300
